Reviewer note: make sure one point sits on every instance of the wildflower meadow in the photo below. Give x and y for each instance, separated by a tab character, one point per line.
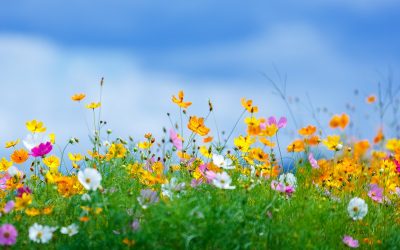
197	187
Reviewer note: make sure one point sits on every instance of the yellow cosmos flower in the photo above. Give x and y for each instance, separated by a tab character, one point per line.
248	105
23	201
10	144
32	212
35	126
93	105
116	150
145	145
332	142
52	137
179	101
52	162
4	164
78	97
205	151
75	157
393	145
243	143
266	142
197	125
296	146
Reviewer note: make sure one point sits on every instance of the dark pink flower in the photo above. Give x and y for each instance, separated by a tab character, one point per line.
397	165
22	190
350	242
8	235
42	149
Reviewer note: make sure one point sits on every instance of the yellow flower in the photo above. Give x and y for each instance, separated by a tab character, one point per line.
332	142
78	97
205	151
32	212
93	105
35	126
393	145
4	164
75	157
270	130
47	210
266	142
52	137
243	143
23	201
258	154
179	101
52	162
197	125
116	150
248	105
10	144
307	131
144	145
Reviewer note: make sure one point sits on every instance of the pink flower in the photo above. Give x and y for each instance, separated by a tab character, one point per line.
175	139
376	193
42	149
8	235
210	175
397	165
22	190
9	206
280	187
313	161
3	181
280	124
194	183
349	241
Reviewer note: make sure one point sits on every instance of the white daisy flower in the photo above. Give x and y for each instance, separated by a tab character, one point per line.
357	208
41	234
90	178
223	181
70	230
220	161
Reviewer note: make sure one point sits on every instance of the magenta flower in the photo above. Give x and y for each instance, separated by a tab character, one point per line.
8	206
22	190
350	242
8	235
175	139
397	165
42	149
280	124
313	161
376	193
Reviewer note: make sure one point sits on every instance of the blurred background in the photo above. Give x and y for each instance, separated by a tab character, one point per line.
332	53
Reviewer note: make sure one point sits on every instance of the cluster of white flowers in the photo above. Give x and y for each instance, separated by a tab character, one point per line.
43	234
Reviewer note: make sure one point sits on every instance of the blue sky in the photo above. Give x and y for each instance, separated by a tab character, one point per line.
148	50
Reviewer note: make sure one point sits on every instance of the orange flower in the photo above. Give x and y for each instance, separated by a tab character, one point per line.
339	121
266	142
360	148
306	131
78	97
370	99
312	140
379	136
179	101
248	105
20	156
197	125
296	146
208	139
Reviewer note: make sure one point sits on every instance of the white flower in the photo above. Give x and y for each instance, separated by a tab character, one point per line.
172	187
223	181
357	208
106	143
41	234
32	140
70	230
13	171
86	197
288	179
90	178
220	161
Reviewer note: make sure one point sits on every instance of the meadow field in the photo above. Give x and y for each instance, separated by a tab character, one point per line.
201	188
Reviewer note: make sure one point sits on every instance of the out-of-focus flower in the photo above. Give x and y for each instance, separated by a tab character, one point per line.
8	235
4	164
197	125
23	201
135	225
42	149
350	242
332	142
376	193
41	234
33	140
93	105
175	139
280	124
339	121
35	126
14	172
296	146
173	188
288	179
78	97
307	131
379	136
9	206
147	197
222	181
70	230
370	99
357	208
179	101
313	161
220	161
90	178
